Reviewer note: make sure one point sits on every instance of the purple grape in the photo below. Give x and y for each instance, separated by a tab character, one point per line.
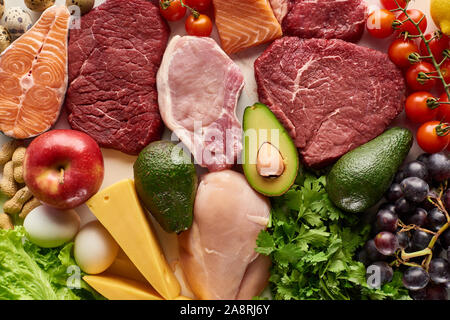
436	292
386	243
415	278
394	192
386	221
419	218
446	199
403	239
445	239
436	219
420	239
439	270
439	166
381	269
372	253
403	206
416	169
418	294
414	189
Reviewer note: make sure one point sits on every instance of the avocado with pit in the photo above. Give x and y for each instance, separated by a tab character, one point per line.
166	183
360	178
269	158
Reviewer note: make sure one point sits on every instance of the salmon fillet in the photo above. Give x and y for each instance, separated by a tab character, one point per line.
244	24
33	76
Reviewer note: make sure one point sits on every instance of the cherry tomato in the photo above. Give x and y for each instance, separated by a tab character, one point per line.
172	10
416	107
399	51
391	5
439	43
445	70
379	23
199	5
412	75
416	16
444	109
429	140
201	26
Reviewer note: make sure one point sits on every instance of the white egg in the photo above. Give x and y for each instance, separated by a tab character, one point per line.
48	227
95	249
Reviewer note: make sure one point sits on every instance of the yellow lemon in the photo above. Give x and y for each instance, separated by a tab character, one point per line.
440	12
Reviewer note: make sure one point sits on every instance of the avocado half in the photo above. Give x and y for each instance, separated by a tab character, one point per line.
261	126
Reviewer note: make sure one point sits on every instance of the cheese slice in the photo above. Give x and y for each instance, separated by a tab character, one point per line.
116	288
123	267
118	209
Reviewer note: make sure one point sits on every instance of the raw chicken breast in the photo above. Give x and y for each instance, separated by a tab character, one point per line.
218	253
198	89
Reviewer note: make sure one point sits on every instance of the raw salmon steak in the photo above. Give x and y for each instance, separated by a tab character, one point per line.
244	24
33	76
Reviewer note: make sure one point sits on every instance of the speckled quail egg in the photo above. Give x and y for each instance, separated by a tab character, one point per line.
17	21
39	5
84	5
2	7
5	39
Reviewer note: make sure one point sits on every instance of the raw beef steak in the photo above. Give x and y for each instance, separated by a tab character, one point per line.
198	90
328	19
113	61
331	95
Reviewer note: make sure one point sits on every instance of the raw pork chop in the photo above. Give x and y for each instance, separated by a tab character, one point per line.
113	60
218	254
331	95
198	89
328	19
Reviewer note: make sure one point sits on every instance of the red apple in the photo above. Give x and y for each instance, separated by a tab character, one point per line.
63	168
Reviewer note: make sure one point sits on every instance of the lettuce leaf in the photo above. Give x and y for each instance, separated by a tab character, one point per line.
29	272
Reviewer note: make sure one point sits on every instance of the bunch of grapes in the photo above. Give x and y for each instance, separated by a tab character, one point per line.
412	230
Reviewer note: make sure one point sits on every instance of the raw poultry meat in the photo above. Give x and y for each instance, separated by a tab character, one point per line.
218	253
198	89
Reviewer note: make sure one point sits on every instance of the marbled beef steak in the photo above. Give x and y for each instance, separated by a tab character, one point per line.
331	95
328	19
113	61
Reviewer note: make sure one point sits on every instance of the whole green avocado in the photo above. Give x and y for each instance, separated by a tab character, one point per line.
359	179
166	183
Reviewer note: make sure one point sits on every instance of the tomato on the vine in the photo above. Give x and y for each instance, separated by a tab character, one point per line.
437	45
199	5
429	139
407	26
444	108
399	51
413	73
417	109
200	26
172	10
379	23
391	5
445	70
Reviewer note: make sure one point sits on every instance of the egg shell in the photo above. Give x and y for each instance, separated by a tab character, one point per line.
48	227
84	5
5	38
2	7
17	21
39	5
95	249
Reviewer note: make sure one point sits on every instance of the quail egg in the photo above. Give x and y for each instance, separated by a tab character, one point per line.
17	21
84	5
5	39
2	7
39	5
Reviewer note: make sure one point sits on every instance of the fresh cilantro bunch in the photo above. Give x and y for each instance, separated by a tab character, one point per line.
313	245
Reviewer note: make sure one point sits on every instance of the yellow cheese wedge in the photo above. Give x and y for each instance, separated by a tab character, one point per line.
116	288
118	209
123	267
